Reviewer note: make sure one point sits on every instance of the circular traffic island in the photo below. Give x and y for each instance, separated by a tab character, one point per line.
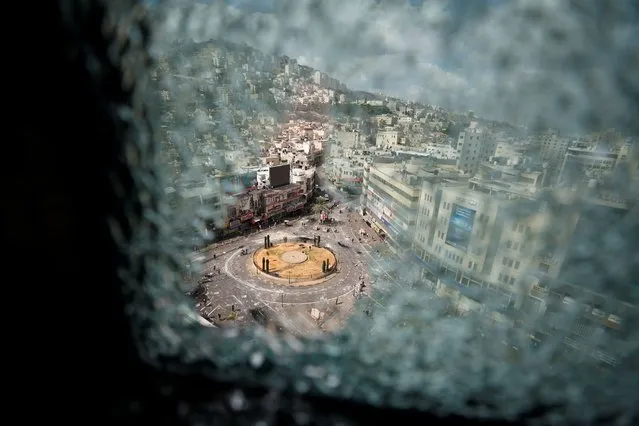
295	263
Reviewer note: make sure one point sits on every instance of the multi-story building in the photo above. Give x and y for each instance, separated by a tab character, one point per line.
505	253
583	164
320	78
305	178
517	180
476	235
500	242
388	137
474	145
553	147
390	198
280	201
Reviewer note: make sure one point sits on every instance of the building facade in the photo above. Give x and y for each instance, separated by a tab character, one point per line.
474	145
390	198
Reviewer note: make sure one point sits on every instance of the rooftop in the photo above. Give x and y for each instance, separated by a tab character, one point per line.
283	188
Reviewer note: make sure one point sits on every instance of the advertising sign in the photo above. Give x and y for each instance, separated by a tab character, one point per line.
460	227
246	216
294	207
280	175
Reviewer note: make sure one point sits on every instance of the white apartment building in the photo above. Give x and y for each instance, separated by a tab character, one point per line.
388	137
292	67
385	120
476	251
581	165
474	145
508	149
479	239
390	199
347	139
625	150
320	78
553	148
305	178
442	151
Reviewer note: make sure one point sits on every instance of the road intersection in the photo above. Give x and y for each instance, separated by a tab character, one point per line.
235	289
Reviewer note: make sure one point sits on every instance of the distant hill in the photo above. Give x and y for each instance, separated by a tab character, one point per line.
360	94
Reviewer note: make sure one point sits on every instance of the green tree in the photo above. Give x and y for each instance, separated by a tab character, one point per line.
320	204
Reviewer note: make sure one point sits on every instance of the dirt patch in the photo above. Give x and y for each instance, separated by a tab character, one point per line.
284	261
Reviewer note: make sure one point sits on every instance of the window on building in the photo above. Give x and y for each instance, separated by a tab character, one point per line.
544	267
517	264
509	244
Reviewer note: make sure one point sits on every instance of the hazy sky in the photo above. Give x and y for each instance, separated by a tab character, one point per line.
395	49
508	59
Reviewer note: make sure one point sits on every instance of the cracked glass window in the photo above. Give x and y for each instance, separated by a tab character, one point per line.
415	204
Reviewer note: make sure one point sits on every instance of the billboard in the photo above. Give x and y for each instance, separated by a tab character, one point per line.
280	175
460	227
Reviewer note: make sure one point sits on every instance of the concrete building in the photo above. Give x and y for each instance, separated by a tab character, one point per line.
474	145
584	164
283	200
442	151
305	178
320	78
553	147
517	180
390	197
475	238
347	138
292	67
388	137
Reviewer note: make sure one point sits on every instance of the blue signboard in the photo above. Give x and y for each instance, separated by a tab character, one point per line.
460	227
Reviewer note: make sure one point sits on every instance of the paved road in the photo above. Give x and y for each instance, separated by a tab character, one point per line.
236	286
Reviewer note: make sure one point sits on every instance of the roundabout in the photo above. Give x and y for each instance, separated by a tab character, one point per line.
296	263
292	251
313	298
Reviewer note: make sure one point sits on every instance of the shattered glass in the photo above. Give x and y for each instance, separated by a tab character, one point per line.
540	64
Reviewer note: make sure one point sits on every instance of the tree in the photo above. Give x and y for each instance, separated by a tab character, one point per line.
318	208
320	204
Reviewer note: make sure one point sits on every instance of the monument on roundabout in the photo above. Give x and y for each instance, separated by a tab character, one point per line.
295	261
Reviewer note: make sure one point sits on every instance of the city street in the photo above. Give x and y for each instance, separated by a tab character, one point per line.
238	294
